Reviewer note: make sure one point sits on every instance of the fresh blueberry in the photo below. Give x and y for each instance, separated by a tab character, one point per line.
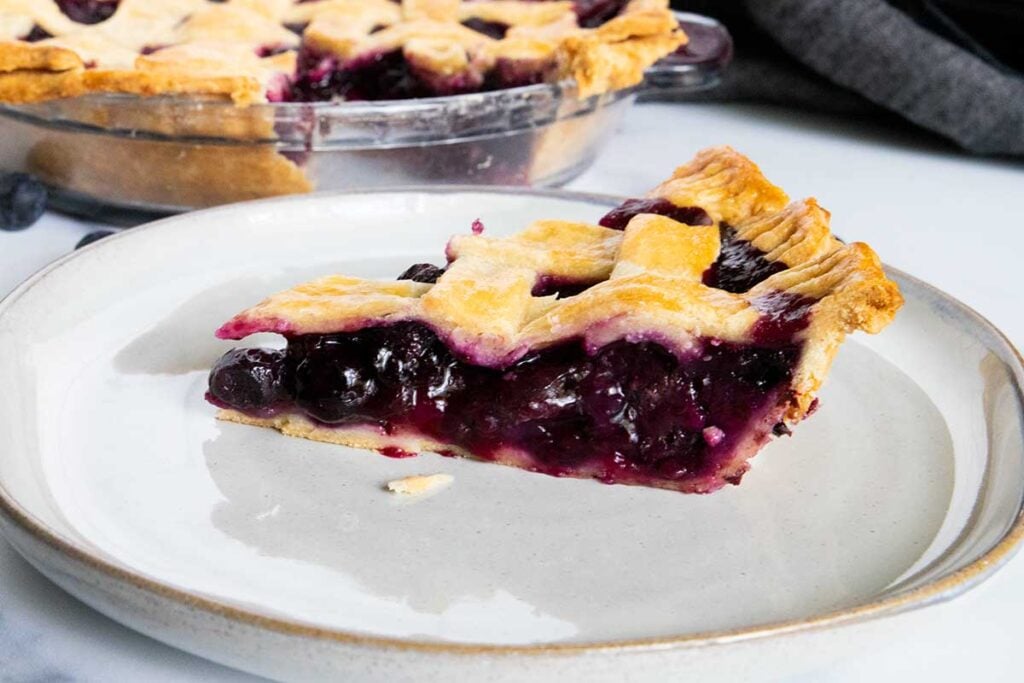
94	236
22	201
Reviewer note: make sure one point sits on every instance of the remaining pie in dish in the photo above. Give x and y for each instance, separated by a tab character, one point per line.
321	50
662	346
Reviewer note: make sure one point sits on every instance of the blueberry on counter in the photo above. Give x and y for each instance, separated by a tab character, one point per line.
93	237
22	201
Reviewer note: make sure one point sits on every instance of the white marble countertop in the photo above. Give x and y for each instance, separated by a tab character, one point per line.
953	220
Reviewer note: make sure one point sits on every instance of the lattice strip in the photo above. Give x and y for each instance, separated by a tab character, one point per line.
726	184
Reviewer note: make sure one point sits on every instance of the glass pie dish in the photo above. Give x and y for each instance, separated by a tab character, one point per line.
128	158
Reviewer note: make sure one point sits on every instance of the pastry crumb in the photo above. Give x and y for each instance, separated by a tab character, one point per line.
419	484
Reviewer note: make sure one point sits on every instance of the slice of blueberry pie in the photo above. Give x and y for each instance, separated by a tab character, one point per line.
321	50
662	346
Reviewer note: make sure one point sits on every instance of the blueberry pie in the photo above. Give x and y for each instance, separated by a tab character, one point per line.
322	50
661	346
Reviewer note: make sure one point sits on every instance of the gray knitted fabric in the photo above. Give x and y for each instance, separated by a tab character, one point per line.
874	50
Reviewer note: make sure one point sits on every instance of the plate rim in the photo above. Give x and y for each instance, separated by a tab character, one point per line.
942	589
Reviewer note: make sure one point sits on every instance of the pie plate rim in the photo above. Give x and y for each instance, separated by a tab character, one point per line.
81	570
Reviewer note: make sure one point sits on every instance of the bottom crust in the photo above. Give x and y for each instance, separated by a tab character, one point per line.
366	437
293	424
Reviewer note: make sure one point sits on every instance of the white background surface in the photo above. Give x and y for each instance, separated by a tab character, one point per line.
953	220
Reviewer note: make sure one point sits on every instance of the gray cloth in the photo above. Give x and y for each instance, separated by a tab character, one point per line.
877	54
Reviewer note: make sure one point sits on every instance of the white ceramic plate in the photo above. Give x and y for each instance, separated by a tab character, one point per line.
286	557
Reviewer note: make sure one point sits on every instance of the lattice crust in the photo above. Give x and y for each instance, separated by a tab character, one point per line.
648	281
213	45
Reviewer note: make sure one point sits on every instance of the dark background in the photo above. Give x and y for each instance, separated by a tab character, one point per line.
951	67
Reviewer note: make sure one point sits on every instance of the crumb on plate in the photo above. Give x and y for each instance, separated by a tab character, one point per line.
419	484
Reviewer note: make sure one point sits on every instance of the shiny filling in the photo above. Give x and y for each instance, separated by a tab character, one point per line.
321	77
740	265
626	412
631	411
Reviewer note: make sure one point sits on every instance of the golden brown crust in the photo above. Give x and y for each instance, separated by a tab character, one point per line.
796	234
726	184
189	175
26	87
359	11
853	294
514	13
243	90
212	52
16	56
355	437
234	24
615	55
435	10
648	281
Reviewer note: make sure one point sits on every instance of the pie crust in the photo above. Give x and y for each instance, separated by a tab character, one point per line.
646	282
246	50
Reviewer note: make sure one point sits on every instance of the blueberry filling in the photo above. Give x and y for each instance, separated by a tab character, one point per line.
619	217
318	78
390	76
264	51
88	11
629	412
36	34
514	73
378	76
783	316
422	272
560	286
740	265
593	13
494	29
